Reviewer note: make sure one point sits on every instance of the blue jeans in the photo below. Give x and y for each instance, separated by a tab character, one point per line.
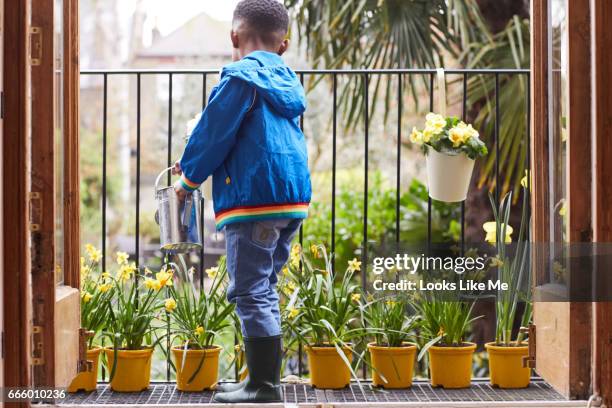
256	253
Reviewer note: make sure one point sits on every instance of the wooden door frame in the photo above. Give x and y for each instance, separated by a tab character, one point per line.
573	378
602	172
15	162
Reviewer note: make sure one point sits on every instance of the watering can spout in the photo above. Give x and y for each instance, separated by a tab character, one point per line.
180	221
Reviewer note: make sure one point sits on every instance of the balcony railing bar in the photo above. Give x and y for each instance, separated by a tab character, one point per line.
365	77
483	71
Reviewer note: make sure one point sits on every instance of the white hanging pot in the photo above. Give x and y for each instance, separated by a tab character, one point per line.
448	177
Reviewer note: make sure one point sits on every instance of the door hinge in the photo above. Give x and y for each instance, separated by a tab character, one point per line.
530	359
35	45
38	354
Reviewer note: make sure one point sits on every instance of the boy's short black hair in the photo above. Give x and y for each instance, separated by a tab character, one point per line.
266	18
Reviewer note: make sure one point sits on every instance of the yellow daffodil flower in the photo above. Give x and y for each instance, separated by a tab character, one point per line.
105	287
164	277
285	271
496	262
212	272
563	209
293	312
314	250
441	332
356	297
354	265
152	284
391	303
125	272
526	177
170	305
147	271
122	258
106	275
199	331
86	296
491	232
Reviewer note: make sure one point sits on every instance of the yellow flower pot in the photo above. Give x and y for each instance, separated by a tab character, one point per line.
451	367
395	364
506	366
327	369
133	371
243	371
206	377
87	380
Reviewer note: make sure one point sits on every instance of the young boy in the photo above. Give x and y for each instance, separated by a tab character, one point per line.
249	140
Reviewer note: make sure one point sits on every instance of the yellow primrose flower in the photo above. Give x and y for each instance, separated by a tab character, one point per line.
122	258
105	287
199	331
491	230
416	136
354	265
293	312
164	278
436	122
457	136
212	272
86	296
356	297
471	132
170	305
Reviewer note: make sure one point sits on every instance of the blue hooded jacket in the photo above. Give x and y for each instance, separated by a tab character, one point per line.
248	138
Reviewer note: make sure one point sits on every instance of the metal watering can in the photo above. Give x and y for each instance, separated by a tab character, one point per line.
180	222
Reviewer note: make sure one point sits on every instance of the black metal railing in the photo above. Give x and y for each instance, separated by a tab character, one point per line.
462	75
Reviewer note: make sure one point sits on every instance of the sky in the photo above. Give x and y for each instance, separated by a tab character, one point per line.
171	14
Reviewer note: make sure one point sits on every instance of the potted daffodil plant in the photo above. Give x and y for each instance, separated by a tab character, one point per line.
96	291
451	146
445	323
323	313
137	300
391	352
506	353
199	317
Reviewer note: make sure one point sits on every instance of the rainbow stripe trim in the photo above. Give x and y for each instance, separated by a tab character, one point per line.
261	212
188	184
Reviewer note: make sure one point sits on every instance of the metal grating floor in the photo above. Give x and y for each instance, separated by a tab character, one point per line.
165	394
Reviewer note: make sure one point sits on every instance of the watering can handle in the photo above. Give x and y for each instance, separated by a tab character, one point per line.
159	178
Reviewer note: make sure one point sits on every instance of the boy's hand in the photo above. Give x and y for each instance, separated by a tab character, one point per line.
180	191
177	168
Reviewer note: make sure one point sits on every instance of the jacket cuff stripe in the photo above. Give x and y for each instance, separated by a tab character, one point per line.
188	184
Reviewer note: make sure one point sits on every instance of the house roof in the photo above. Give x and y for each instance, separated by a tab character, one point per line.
202	36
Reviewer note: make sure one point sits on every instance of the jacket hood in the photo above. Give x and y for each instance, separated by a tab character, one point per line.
273	80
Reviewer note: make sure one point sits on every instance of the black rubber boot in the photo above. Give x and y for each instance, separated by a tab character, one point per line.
229	387
263	359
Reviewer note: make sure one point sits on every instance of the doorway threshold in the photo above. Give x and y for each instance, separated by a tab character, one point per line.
421	394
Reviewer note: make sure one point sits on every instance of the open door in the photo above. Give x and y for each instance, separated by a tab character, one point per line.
53	198
571	195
